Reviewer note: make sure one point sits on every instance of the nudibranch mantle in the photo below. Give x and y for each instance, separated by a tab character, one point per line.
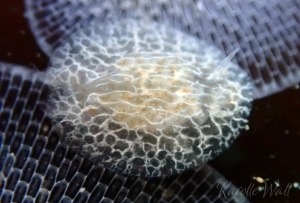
146	99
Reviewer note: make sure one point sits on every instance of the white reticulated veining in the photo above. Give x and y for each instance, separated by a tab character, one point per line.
144	98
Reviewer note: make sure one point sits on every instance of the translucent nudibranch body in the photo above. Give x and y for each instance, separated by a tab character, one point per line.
146	99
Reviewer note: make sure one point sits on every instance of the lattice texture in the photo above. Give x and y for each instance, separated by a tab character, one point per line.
36	166
268	32
146	100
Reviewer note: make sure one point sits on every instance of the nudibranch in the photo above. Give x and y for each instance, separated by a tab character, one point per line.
146	99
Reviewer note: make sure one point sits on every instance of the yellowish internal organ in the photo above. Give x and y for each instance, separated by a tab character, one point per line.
151	93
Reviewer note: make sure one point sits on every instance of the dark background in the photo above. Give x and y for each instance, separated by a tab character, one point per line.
270	149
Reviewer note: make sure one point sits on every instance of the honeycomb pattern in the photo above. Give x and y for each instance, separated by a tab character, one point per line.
267	32
36	167
146	99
